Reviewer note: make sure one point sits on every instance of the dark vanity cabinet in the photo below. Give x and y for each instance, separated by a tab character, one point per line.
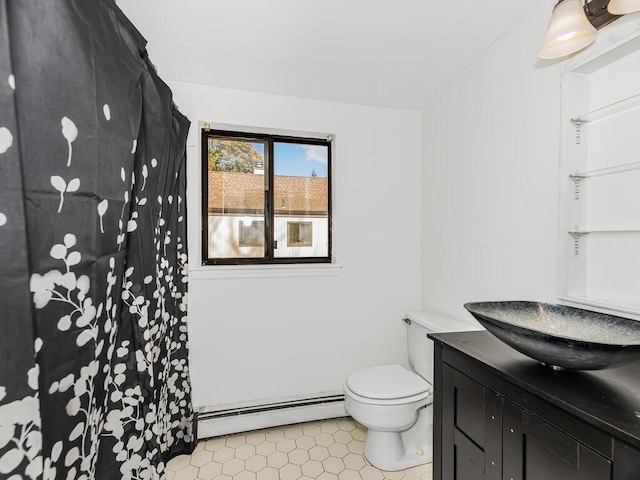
499	415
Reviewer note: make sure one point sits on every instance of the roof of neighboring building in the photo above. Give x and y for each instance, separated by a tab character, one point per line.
235	192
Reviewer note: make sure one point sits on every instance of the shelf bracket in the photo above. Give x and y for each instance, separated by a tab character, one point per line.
576	241
578	124
576	186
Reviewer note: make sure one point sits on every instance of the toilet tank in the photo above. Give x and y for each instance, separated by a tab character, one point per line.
419	347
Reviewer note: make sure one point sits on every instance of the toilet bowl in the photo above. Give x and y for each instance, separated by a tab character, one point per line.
396	404
396	439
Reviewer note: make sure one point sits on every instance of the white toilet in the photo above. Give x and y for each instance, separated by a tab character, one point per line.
396	404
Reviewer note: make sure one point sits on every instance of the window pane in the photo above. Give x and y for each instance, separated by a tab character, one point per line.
301	200
236	198
299	234
251	233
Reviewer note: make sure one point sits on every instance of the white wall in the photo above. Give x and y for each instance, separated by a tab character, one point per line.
253	339
491	171
490	177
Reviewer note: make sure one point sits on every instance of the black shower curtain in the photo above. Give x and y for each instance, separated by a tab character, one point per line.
94	379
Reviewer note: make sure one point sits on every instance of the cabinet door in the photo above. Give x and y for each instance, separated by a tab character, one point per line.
626	461
471	429
534	450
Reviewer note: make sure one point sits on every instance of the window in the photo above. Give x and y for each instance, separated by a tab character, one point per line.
299	234
266	198
251	233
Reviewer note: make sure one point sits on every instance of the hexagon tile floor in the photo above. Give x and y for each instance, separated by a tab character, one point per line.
325	450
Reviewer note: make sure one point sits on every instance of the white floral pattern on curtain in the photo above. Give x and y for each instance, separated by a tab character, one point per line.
94	378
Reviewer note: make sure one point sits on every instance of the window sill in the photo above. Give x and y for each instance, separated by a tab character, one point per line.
263	271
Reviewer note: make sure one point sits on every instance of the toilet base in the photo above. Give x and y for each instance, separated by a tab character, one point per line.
392	451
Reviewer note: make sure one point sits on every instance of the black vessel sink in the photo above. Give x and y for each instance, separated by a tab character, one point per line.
561	336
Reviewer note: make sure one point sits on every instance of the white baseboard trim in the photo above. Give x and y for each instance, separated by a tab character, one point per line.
215	423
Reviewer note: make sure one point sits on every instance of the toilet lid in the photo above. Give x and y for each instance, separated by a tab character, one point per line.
387	382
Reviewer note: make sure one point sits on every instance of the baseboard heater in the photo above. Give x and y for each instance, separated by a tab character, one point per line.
215	423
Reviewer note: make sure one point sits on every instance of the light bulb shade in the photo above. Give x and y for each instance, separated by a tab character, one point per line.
622	7
569	30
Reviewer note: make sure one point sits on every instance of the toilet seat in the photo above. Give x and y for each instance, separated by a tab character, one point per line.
388	384
388	403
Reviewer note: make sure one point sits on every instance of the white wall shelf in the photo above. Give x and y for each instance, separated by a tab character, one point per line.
608	110
579	233
600	254
603	230
605	171
603	305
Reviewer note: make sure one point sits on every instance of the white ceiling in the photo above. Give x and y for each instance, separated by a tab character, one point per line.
395	53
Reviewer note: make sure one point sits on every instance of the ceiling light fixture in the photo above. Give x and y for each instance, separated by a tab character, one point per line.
569	30
622	7
574	25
